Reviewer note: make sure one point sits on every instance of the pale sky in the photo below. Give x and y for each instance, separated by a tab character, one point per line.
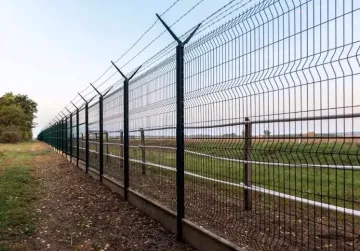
50	50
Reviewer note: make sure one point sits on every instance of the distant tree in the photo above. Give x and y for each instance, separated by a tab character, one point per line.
12	115
229	135
17	111
267	133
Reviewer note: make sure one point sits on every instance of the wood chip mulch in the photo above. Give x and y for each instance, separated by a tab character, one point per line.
75	212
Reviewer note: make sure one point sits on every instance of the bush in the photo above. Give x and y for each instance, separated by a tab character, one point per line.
25	136
9	137
11	134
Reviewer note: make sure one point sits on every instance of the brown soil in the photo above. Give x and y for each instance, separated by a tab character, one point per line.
8	162
76	212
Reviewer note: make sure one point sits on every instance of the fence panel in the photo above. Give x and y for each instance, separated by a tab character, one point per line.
152	112
113	135
94	136
271	154
68	138
73	136
82	135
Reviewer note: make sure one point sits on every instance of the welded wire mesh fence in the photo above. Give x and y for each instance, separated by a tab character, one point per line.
82	147
271	128
93	135
113	135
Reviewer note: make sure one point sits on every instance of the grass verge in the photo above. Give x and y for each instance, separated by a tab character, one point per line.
17	192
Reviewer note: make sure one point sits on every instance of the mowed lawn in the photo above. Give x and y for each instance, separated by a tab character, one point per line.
17	193
333	186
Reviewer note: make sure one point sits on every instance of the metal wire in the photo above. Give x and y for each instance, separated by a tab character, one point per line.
161	54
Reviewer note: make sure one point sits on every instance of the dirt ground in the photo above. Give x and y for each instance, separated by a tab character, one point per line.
76	212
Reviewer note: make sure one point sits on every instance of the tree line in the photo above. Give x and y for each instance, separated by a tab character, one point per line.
17	114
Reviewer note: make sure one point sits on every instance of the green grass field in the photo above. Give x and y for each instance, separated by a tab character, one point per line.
333	186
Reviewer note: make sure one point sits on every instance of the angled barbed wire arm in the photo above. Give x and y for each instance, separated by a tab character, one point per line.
96	89
169	29
68	110
134	73
82	106
56	117
74	105
192	34
86	102
82	98
107	91
173	34
123	75
91	99
119	70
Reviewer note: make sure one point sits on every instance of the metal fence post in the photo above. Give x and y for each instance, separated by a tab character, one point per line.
62	136
66	142
77	138
180	134
58	135
142	143
56	127
247	166
126	127
71	138
126	137
51	131
101	129
86	137
101	138
50	136
55	134
180	144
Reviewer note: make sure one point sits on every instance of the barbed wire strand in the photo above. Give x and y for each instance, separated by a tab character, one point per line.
169	46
